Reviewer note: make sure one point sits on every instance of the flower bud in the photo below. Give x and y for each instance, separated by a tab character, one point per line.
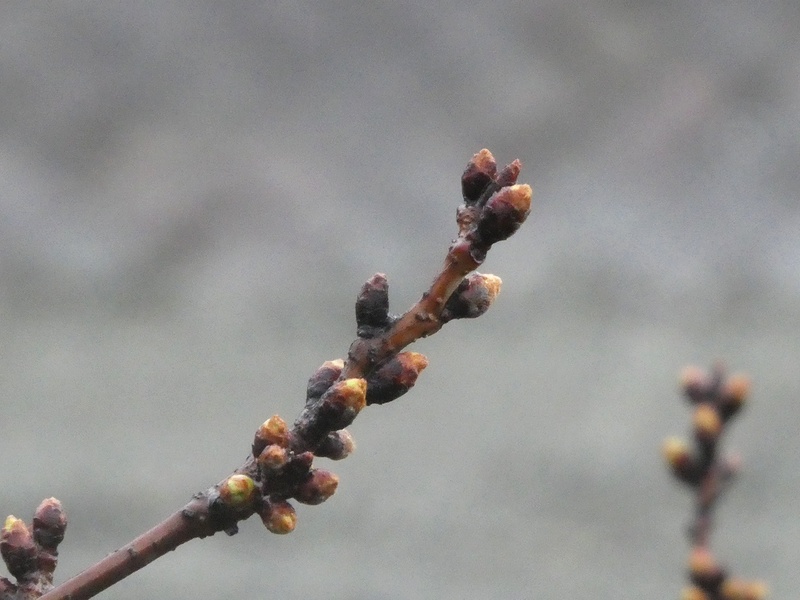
680	460
694	593
504	212
508	176
707	423
338	445
480	172
278	517
738	589
473	297
704	571
342	402
49	524
395	377
17	547
238	491
319	486
695	384
733	394
273	457
323	378
272	431
372	306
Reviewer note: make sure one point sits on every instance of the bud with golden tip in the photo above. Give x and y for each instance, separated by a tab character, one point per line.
49	523
472	298
733	395
504	213
273	457
679	458
707	423
694	593
508	176
704	571
272	431
278	517
342	402
738	589
319	486
238	491
395	377
480	172
17	547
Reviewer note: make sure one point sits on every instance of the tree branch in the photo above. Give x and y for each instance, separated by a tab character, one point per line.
716	399
280	465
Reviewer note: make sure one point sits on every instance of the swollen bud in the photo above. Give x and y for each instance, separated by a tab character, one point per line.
342	402
319	486
704	571
395	377
272	431
707	423
49	524
372	306
17	547
695	384
694	593
508	176
504	212
273	457
680	460
278	517
338	445
733	395
473	297
323	378
480	172
737	589
238	491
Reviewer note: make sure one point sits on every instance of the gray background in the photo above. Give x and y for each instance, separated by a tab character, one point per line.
192	194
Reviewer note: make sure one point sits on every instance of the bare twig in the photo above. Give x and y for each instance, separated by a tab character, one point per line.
376	371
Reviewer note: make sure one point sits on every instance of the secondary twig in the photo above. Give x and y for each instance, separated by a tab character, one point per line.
715	399
375	372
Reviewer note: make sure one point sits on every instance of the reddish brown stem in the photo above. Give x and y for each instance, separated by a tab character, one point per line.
187	524
421	320
192	521
483	220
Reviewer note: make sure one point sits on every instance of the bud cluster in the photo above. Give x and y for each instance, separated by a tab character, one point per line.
715	399
284	473
31	552
494	205
377	371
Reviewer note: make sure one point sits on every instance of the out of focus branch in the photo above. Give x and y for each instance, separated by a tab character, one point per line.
716	399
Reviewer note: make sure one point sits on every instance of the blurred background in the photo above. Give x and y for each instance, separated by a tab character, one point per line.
193	193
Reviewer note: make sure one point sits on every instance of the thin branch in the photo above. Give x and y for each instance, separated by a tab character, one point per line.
716	399
376	371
